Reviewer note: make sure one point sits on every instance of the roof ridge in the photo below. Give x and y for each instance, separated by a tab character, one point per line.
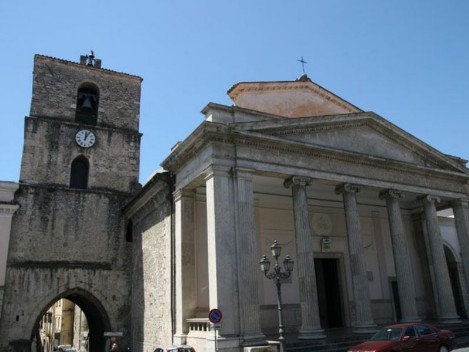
77	63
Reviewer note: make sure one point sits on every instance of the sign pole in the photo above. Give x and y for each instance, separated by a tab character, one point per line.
216	343
215	317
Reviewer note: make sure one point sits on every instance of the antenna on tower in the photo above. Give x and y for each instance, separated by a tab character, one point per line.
90	60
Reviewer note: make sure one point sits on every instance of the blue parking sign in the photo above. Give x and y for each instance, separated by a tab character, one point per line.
215	315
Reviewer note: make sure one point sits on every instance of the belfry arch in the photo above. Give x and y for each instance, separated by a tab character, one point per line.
96	315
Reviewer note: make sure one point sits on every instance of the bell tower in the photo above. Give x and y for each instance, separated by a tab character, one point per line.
86	112
80	166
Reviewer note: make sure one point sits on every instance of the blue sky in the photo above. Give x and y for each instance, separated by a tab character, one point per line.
406	60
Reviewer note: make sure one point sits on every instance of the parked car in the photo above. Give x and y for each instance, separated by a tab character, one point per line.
179	348
417	337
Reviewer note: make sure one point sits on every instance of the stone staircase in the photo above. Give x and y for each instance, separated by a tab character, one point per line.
339	340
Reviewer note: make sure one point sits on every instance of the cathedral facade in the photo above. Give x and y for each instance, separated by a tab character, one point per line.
355	201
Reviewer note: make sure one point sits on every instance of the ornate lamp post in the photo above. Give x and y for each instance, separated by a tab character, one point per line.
278	276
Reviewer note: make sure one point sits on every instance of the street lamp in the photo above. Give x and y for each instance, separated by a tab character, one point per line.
278	275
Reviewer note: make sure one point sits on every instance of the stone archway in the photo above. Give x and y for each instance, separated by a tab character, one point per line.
98	320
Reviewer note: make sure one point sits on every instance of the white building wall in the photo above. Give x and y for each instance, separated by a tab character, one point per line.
7	209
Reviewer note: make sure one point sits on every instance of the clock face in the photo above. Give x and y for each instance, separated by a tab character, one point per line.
85	138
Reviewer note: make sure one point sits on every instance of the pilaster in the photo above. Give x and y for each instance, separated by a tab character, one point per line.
185	275
222	251
248	282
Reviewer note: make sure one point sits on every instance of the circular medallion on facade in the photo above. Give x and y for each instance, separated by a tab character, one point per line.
321	224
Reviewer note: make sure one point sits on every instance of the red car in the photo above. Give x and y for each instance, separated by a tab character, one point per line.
417	337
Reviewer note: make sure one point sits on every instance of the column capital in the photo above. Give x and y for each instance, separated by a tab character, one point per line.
460	203
180	193
428	199
219	170
347	188
297	180
241	172
391	194
8	209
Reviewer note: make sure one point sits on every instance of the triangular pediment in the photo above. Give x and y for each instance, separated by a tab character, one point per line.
291	99
363	134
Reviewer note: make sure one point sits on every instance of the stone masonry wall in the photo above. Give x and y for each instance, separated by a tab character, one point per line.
51	225
56	83
50	148
152	271
65	240
39	287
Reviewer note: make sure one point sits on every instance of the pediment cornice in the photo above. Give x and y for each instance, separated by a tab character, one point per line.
155	193
284	86
325	153
208	133
270	137
371	120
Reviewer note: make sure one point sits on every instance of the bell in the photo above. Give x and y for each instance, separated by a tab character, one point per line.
87	103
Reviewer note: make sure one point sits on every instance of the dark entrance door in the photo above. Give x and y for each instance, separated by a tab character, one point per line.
455	283
397	302
329	293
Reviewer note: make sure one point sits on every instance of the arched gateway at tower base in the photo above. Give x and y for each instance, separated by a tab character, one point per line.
98	321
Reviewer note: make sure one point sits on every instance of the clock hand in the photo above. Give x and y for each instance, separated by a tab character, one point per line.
86	135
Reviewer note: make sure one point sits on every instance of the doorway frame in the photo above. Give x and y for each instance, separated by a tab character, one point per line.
342	284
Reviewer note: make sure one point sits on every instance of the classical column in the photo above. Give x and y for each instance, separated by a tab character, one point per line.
461	219
221	241
364	318
402	263
249	310
184	248
310	321
444	293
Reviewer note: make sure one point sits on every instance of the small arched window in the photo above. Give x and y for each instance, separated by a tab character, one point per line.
87	105
79	173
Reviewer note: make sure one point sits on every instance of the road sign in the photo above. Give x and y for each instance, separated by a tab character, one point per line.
113	333
215	315
216	326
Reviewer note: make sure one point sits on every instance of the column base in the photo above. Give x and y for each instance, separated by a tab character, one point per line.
254	339
365	328
311	334
449	319
180	339
410	320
